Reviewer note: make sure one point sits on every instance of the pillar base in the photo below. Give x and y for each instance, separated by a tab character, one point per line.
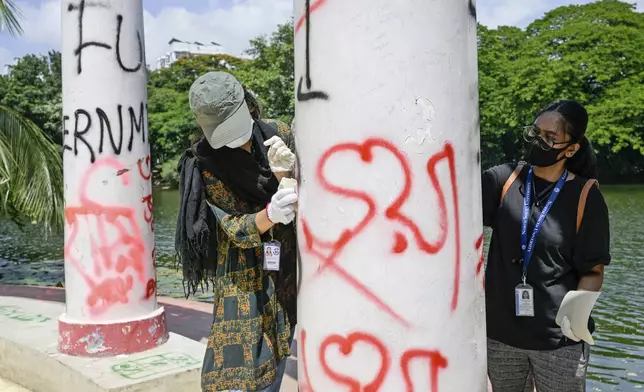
110	339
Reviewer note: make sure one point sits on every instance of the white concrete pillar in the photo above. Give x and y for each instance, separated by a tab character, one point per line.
390	232
110	278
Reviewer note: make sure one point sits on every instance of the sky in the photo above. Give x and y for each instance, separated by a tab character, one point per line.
232	23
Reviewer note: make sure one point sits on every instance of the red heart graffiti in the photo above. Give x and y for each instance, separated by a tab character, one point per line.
365	150
393	211
346	347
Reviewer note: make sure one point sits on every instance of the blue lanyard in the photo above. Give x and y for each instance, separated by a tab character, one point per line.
528	247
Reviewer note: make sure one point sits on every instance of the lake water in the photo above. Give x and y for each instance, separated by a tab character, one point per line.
617	360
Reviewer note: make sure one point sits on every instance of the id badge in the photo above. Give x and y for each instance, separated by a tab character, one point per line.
524	300
272	251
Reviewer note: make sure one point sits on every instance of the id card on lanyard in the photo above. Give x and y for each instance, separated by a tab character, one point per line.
272	252
523	293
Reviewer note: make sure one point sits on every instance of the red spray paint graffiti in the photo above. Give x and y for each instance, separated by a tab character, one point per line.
307	387
147	172
393	212
346	346
436	362
479	266
336	247
147	212
118	255
300	22
151	287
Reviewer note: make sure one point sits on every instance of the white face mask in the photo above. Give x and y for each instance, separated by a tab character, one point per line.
242	140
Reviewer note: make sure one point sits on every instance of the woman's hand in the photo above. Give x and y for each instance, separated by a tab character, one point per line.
280	158
281	209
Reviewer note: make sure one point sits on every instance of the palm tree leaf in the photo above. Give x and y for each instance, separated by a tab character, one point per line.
31	172
10	16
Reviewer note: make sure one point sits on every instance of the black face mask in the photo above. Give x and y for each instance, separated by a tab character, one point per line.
537	156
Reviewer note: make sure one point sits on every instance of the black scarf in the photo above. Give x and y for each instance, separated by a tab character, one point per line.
196	236
247	175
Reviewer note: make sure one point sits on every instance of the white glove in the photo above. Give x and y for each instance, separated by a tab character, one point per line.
566	329
280	157
574	313
281	209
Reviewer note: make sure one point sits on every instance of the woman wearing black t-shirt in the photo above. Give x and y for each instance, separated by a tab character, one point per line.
569	252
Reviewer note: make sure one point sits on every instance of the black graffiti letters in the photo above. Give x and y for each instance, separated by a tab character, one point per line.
66	147
81	8
139	126
80	135
308	95
97	130
119	20
106	126
83	45
471	8
111	134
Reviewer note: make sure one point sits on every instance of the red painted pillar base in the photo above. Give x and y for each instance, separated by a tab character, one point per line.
104	340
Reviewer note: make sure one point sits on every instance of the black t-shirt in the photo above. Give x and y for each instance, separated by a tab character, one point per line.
561	255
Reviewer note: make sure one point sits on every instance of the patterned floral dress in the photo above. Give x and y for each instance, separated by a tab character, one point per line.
254	309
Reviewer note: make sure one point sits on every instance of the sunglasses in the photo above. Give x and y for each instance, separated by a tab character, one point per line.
546	142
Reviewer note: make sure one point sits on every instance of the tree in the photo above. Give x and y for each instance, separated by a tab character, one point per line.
270	73
9	17
31	175
499	111
590	53
182	73
33	88
171	122
31	172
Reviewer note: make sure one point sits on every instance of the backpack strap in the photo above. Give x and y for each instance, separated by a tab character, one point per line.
512	178
582	200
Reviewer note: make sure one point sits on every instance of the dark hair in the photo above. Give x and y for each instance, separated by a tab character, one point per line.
574	119
253	104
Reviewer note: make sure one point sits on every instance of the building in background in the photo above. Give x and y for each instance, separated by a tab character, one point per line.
180	49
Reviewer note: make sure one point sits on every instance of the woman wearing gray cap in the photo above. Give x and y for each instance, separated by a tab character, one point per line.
235	231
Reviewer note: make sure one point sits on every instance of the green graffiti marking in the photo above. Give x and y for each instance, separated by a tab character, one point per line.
17	313
149	366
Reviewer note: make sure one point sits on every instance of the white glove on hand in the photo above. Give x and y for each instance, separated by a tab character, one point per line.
280	157
281	209
566	329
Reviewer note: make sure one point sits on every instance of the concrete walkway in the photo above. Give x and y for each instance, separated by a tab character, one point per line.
8	386
188	318
191	319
